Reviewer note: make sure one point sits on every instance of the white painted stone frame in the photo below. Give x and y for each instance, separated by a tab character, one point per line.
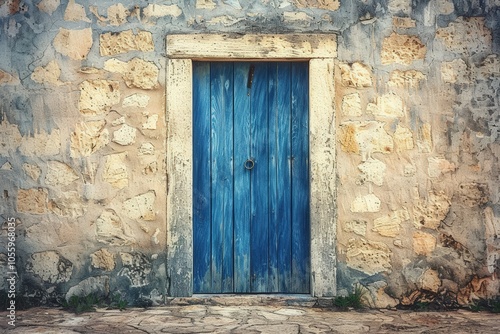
320	50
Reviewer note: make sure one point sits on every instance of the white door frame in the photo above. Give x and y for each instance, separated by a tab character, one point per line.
320	50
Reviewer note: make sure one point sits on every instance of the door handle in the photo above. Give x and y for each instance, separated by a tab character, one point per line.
249	164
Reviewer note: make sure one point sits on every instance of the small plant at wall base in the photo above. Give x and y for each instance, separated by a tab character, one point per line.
88	303
353	300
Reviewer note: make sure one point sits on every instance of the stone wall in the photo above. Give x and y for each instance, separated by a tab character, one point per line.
83	141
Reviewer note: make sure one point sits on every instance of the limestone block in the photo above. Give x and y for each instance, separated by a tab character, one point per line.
403	22
291	17
355	226
369	257
6	166
8	79
136	73
402	49
136	101
429	212
75	12
150	123
485	288
115	170
140	206
367	203
224	20
322	4
41	144
403	138
98	286
47	75
473	194
59	173
205	4
125	135
150	168
111	44
136	267
111	230
68	205
50	266
378	298
365	138
406	79
390	225
351	105
98	96
489	67
424	138
118	121
396	6
162	10
10	138
356	75
48	6
454	71
439	166
466	36
423	243
32	200
372	170
445	7
88	138
430	281
146	149
75	44
117	14
388	105
103	259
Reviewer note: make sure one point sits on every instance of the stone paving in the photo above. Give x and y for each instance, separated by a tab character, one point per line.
249	319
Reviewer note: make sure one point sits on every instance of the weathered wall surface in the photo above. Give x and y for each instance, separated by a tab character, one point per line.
82	141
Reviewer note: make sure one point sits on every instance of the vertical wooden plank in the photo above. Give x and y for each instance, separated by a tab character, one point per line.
284	174
179	189
300	179
222	176
241	179
259	180
201	177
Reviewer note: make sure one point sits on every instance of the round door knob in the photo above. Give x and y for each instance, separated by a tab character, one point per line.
249	164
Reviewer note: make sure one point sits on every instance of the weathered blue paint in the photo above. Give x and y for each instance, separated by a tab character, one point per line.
258	233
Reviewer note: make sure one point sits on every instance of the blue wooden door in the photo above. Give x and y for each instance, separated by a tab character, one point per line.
250	177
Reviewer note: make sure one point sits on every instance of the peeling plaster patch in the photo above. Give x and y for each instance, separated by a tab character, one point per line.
136	100
125	135
75	44
357	75
111	230
88	138
8	79
390	225
402	49
466	36
75	12
48	6
388	105
48	75
355	226
490	66
111	44
150	124
365	138
137	267
423	243
141	206
473	194
97	286
117	14
372	170
98	96
351	105
439	166
162	10
69	205
115	170
103	259
322	4
367	203
42	144
431	211
50	266
368	256
406	79
59	173
32	200
136	73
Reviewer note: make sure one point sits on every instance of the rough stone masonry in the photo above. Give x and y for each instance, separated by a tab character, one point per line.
417	122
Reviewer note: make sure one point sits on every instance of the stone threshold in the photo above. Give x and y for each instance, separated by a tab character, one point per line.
298	300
